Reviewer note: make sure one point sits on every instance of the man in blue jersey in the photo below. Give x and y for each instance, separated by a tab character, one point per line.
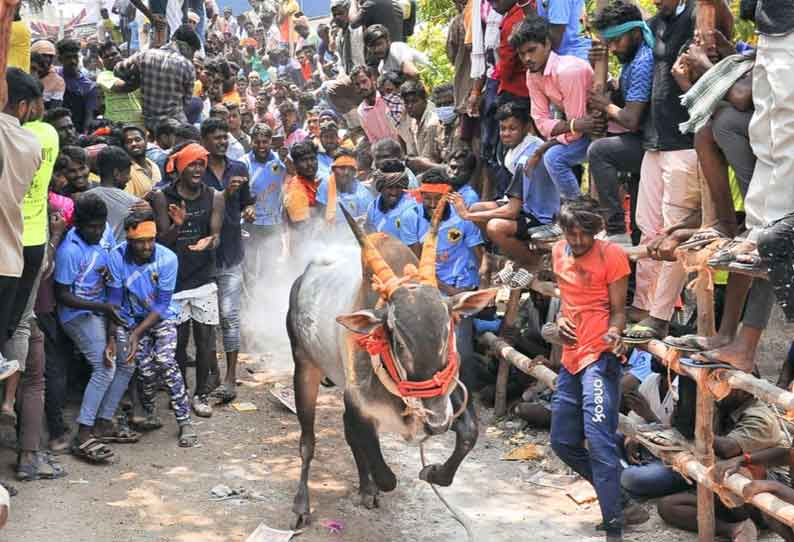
142	281
267	173
329	139
388	212
343	187
565	26
461	166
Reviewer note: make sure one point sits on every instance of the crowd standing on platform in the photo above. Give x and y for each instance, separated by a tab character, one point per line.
153	173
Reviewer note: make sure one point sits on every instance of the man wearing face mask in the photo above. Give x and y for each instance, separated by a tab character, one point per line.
426	144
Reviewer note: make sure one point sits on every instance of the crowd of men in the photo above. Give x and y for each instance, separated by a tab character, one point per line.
149	173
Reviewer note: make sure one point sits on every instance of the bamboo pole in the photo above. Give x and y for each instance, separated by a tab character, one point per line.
503	372
706	22
704	451
601	67
532	367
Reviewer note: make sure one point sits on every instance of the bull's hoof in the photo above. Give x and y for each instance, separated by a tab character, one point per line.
386	481
301	520
434	474
370	501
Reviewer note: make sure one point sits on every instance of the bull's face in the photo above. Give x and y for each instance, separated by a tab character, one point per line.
417	321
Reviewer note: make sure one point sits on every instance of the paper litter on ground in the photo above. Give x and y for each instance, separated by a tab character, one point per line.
263	533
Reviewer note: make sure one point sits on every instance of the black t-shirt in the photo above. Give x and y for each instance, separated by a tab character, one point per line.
389	13
661	131
772	17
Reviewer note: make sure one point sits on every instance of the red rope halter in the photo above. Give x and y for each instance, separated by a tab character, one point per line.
377	344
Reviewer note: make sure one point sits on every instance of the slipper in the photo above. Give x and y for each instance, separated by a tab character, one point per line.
641	334
707	363
188	439
224	395
122	434
685	343
504	275
44	467
702	239
756	266
152	422
92	451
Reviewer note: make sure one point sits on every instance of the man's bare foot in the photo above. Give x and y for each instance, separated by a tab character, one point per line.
633	314
745	531
732	354
648	328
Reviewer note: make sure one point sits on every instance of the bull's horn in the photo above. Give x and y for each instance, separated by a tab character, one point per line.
427	263
372	257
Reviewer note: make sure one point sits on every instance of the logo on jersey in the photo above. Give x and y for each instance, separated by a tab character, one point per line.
454	235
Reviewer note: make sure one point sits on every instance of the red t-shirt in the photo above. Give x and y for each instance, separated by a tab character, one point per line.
510	70
584	289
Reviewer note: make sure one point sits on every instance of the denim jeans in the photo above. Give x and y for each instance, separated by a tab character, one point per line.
586	406
652	480
107	384
230	285
560	159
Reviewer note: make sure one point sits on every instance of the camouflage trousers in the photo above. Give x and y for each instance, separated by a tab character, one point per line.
156	363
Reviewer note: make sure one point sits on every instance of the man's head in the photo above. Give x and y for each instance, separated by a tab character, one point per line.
580	220
25	100
220	112
69	56
414	96
377	41
460	168
363	161
189	161
215	136
242	85
667	8
329	137
386	149
530	39
289	116
619	12
246	120
323	31
113	165
250	29
302	27
141	235
254	83
110	54
344	168
186	133
304	156
235	121
165	133
389	82
262	100
513	120
103	12
90	217
42	53
133	138
61	119
435	185
187	41
193	19
391	181
261	141
227	13
340	11
364	78
72	163
503	6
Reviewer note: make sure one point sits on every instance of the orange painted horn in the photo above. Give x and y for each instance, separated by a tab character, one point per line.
7	10
372	258
427	263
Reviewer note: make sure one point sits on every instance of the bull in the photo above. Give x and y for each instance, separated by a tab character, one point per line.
394	355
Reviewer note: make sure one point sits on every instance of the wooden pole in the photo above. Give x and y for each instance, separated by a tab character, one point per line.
706	22
704	450
601	67
7	10
502	374
532	367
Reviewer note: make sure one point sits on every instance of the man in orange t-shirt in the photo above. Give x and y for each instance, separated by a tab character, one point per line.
593	279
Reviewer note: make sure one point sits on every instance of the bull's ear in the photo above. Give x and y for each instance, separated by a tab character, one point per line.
361	321
468	303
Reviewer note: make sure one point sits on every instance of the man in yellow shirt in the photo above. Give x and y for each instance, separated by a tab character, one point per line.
144	173
19	52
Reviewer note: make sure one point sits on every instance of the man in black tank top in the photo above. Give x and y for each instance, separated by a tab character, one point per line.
189	217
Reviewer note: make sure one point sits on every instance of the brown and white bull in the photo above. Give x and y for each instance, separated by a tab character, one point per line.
394	354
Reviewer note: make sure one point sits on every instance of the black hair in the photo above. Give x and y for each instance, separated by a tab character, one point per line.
513	109
220	66
533	29
89	207
302	149
107	46
111	158
261	129
67	46
22	87
188	132
52	116
364	153
307	100
213	125
388	145
395	78
374	33
446	88
166	127
465	153
582	212
136	217
436	175
132	128
392	165
615	13
413	88
186	34
285	107
369	71
74	153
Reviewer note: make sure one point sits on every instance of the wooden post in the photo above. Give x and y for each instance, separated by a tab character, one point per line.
511	313
706	22
532	367
704	450
600	70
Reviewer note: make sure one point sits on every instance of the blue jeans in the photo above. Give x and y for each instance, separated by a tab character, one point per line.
652	480
107	385
560	159
586	406
230	286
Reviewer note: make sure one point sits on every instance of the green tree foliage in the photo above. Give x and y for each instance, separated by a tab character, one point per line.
431	39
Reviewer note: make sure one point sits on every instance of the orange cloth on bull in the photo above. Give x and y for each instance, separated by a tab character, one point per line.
584	291
300	195
186	156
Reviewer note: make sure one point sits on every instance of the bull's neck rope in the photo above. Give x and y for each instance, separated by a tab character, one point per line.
394	379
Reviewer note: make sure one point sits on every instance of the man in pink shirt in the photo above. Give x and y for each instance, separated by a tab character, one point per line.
558	88
373	110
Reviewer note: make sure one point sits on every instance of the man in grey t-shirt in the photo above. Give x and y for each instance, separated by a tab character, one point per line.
113	164
393	55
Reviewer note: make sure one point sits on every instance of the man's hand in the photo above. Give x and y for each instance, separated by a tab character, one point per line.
722	45
112	312
132	346
725	468
460	206
57	225
203	244
249	213
567	330
613	338
473	104
110	353
760	486
177	213
597	52
234	185
698	61
597	101
663	248
633	451
590	124
680	72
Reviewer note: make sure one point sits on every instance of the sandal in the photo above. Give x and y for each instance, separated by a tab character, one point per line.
504	275
152	422
753	265
44	467
702	238
92	451
225	395
120	435
187	437
686	343
704	361
640	334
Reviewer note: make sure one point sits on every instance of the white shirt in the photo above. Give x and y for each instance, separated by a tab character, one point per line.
400	53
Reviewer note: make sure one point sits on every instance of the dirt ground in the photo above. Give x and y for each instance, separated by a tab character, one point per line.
159	492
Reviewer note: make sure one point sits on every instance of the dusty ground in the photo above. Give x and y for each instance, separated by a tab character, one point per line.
159	492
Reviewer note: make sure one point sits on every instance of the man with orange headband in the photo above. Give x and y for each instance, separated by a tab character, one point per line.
189	216
143	278
342	188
